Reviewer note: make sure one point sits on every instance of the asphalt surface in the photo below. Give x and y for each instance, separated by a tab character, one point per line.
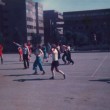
86	87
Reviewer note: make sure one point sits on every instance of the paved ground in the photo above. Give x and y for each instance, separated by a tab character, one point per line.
86	87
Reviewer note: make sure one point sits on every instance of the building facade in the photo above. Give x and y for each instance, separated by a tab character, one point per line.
2	4
87	27
22	22
53	26
30	19
39	23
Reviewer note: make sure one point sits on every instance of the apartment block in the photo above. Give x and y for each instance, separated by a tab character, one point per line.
53	26
23	21
39	23
88	27
2	4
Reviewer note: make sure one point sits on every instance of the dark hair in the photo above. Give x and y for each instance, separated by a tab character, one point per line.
53	46
38	46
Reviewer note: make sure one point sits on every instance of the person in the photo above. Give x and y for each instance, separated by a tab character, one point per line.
62	48
45	54
55	62
38	62
20	54
48	47
64	56
25	50
59	51
68	57
30	48
68	47
1	53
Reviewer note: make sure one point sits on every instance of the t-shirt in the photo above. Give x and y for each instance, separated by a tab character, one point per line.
55	55
20	50
25	50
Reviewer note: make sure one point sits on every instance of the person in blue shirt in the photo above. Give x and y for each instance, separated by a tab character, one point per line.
45	54
38	60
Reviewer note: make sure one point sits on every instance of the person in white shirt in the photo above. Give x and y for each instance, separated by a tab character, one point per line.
25	50
55	62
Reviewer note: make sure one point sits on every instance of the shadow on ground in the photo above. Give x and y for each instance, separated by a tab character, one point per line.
23	80
37	79
17	75
13	69
107	80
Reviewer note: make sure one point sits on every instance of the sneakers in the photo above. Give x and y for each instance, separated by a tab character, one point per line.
43	73
63	76
35	73
51	77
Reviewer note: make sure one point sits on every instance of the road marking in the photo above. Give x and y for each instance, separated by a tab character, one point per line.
94	73
102	77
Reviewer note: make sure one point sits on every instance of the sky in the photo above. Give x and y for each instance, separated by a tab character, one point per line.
74	5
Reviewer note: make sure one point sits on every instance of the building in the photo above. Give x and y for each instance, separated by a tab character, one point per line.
39	23
87	27
2	4
1	14
53	26
20	22
30	19
21	19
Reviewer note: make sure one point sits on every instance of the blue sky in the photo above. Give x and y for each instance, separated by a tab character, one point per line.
74	5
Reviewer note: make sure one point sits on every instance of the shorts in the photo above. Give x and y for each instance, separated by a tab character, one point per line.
55	64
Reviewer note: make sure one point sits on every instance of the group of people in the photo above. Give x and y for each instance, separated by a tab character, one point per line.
24	54
54	64
44	51
66	57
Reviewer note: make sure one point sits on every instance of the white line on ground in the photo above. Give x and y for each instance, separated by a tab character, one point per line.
94	73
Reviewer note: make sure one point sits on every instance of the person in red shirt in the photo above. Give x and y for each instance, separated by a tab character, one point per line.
20	51
1	53
30	47
20	54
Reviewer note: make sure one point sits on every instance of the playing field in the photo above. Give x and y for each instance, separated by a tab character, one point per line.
86	87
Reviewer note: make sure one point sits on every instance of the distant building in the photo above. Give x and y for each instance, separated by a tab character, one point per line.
20	21
30	19
87	27
53	26
39	23
2	4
